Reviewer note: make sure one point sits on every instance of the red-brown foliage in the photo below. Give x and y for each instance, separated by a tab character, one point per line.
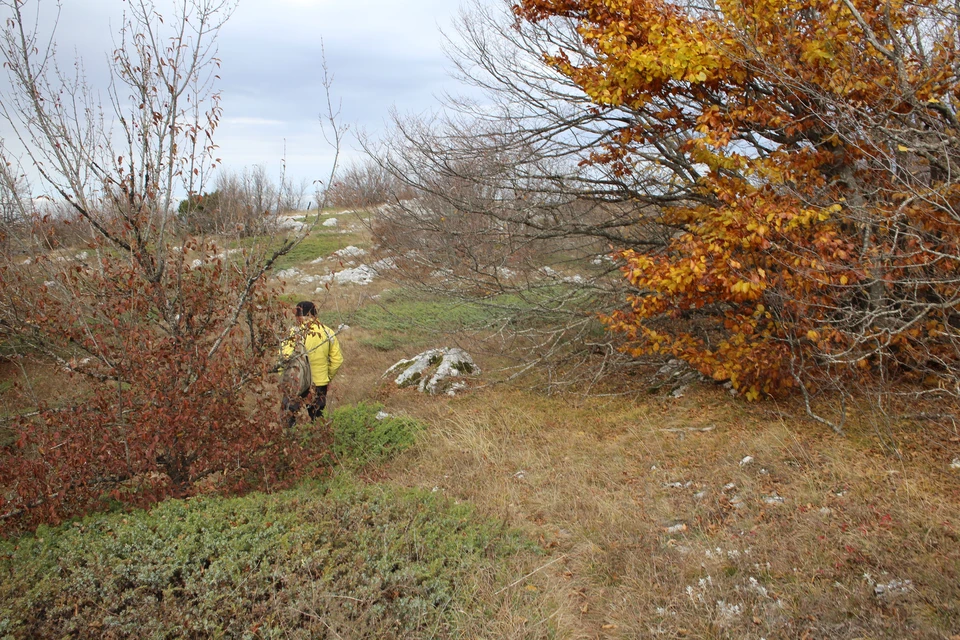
160	408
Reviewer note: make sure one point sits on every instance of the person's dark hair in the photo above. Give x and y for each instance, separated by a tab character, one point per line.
306	308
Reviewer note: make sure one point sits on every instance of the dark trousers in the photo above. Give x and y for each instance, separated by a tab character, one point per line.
315	405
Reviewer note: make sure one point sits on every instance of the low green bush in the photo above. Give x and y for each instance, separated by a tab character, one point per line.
335	560
362	434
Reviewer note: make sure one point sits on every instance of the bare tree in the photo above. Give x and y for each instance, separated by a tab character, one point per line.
496	200
366	184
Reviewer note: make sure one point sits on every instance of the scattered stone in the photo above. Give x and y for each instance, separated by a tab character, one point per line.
288	274
361	275
747	460
893	588
730	486
455	388
382	415
330	222
520	475
677	528
196	264
350	252
289	223
773	499
955	464
434	371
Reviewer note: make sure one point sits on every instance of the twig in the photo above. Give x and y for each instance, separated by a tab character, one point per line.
324	622
518	581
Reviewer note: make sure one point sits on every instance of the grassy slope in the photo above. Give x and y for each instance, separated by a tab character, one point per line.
645	518
660	528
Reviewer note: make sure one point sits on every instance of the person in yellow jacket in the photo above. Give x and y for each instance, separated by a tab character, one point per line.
323	350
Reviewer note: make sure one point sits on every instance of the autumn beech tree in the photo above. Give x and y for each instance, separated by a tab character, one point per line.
141	353
807	153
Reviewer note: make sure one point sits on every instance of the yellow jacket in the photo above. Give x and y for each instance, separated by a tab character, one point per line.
322	348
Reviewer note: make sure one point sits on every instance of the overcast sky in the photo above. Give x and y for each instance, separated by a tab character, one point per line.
382	54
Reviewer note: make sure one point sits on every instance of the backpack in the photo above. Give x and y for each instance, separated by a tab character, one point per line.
297	376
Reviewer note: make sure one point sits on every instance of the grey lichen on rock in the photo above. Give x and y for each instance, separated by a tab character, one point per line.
435	371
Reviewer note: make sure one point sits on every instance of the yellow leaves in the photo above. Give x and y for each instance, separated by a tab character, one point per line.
746	287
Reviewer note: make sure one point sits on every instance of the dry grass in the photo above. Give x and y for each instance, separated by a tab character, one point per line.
653	523
657	526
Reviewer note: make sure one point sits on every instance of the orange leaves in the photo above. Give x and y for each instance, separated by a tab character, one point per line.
818	215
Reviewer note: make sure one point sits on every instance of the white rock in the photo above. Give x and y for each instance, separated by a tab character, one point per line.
434	371
288	274
361	275
893	588
747	460
196	264
330	222
384	265
382	415
350	252
289	223
955	464
774	499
